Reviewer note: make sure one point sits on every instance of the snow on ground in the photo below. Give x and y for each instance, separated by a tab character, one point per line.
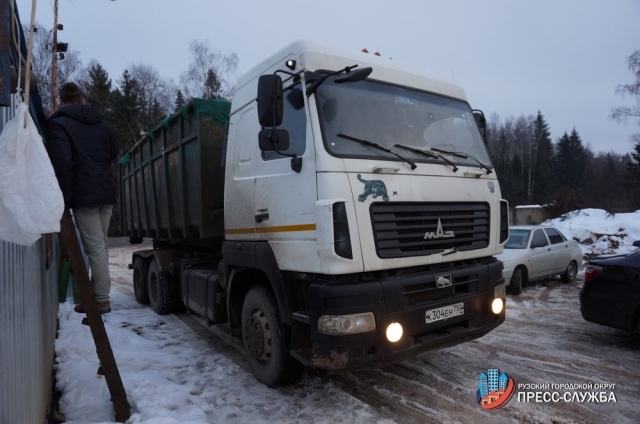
172	376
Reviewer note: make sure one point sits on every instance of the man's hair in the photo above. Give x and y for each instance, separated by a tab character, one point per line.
70	93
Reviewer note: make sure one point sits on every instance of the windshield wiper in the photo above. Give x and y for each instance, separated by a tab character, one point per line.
465	156
349	76
428	153
377	146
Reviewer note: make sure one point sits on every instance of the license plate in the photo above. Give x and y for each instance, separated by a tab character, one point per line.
445	312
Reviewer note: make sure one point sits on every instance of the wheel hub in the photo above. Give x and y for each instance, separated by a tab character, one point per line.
258	336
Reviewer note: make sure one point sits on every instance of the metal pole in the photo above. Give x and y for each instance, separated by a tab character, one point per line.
54	60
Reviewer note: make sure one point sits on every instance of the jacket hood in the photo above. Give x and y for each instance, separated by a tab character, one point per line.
85	114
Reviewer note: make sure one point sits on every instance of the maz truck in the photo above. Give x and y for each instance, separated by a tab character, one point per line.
342	213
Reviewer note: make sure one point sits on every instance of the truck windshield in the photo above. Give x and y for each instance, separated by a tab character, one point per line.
390	115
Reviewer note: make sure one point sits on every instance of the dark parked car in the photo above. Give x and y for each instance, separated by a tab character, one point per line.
611	292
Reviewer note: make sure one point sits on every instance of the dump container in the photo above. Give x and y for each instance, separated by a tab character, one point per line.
172	180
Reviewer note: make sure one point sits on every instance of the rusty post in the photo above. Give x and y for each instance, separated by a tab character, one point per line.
87	300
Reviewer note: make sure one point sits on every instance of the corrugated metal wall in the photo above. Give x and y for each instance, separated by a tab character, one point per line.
28	314
28	309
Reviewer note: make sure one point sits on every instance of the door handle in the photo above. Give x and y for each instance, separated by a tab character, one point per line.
261	216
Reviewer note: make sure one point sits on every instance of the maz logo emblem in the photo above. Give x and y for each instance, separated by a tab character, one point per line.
439	233
443	281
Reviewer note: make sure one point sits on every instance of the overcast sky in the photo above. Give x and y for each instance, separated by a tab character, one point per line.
561	57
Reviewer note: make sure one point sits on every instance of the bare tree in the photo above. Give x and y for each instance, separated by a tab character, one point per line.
207	65
41	64
622	113
155	94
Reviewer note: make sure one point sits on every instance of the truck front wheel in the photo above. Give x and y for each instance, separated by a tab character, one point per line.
162	290
265	340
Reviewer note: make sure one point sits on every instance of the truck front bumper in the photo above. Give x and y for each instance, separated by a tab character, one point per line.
405	297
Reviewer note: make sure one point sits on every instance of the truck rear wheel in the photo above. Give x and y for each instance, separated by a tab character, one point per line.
162	290
265	340
140	277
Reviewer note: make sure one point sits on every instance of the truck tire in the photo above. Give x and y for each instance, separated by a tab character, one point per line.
265	340
162	290
140	277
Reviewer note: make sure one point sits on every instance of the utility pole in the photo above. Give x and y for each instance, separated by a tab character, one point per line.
54	60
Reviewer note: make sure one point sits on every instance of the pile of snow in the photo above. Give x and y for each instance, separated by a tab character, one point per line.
600	232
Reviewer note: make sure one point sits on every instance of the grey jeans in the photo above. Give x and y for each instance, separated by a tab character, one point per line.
93	224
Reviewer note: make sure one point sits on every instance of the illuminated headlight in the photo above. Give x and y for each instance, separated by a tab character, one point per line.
497	305
394	332
342	325
499	293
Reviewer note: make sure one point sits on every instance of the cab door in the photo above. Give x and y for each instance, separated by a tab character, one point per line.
239	197
284	211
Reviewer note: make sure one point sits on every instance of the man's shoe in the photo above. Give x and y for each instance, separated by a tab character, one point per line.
103	308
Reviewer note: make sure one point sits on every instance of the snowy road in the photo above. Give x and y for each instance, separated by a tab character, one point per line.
172	376
544	340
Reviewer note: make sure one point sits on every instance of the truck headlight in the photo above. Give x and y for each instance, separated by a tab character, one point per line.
499	293
394	332
497	305
343	325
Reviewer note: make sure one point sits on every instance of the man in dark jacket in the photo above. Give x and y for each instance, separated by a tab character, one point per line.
82	147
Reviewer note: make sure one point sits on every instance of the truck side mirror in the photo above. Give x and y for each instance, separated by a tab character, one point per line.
271	139
270	100
481	122
296	98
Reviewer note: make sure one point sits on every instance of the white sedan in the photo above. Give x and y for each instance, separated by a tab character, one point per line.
536	251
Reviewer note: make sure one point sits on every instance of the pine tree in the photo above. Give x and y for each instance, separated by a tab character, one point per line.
97	89
632	176
571	160
544	178
212	85
180	100
126	111
579	159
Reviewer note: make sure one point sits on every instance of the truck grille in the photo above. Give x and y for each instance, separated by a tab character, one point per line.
403	229
425	293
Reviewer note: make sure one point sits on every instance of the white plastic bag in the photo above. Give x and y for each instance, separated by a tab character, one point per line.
31	202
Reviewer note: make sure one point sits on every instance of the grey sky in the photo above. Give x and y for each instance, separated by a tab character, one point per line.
562	57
